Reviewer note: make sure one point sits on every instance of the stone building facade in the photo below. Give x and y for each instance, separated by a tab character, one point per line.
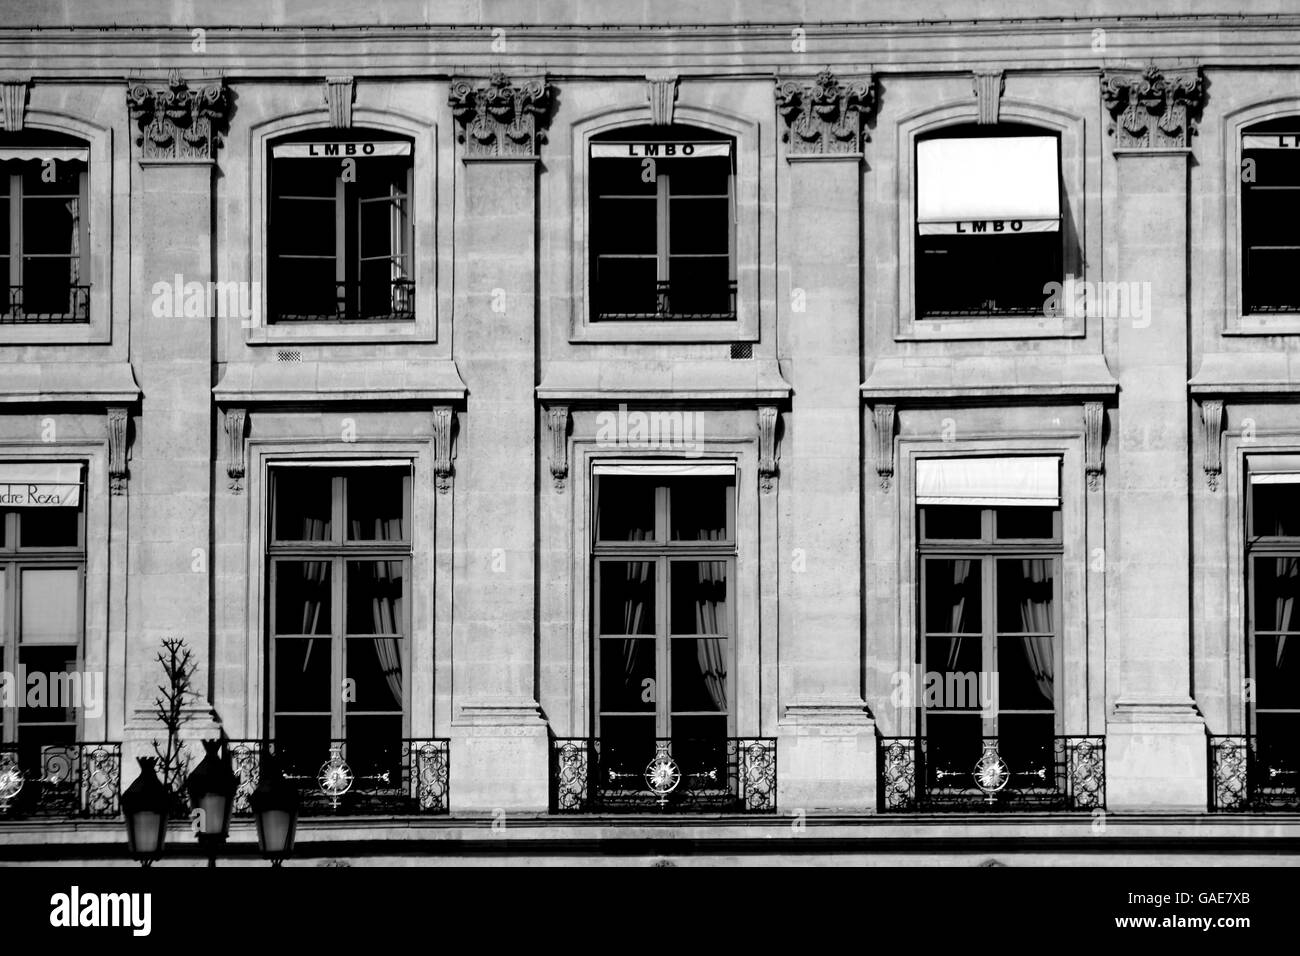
667	423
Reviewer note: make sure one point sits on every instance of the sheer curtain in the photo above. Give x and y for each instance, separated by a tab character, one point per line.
961	581
1036	618
1288	571
711	619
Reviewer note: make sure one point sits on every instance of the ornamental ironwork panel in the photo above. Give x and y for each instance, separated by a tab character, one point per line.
60	780
403	778
1250	775
667	775
1058	773
47	304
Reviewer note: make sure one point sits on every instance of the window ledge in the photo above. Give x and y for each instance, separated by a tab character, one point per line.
1246	373
106	383
989	376
708	380
259	382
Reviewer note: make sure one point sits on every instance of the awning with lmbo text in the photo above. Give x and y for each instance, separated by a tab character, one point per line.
997	186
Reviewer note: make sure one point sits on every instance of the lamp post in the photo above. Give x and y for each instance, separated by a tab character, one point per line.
275	807
212	786
144	806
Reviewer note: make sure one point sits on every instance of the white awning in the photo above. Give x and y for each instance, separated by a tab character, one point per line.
345	463
658	150
347	150
669	468
1270	141
42	153
988	186
40	484
1275	478
988	481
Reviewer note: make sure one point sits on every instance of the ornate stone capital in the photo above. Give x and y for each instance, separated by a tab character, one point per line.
443	451
884	417
338	97
118	423
235	422
988	86
1212	422
768	457
177	121
13	105
1094	448
557	424
1154	108
661	91
500	120
824	115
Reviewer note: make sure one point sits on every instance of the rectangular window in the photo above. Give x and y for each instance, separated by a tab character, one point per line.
339	567
663	239
341	231
44	234
1270	201
664	559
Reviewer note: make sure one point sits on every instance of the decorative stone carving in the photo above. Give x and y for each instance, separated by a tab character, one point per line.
661	91
885	417
176	121
1153	109
13	99
824	116
989	86
443	422
118	422
768	468
235	422
1094	423
500	120
1212	420
338	96
557	423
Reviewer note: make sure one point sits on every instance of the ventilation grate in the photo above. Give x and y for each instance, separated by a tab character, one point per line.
742	350
288	355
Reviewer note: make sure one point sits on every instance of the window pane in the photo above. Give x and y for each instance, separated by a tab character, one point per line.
379	176
1277	585
699	745
627	745
1025	592
305	227
302	597
954	677
699	226
375	664
625	506
699	669
952	748
698	507
304	177
302	674
303	504
699	597
50	606
374	749
50	225
67	177
619	177
700	286
1275	510
698	177
302	744
305	289
621	226
376	501
375	597
47	285
1270	286
1277	671
952	596
49	527
627	676
1025	522
1279	749
626	286
968	274
627	597
951	522
1025	742
1026	672
58	689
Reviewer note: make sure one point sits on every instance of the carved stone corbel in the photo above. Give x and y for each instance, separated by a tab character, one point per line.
825	116
885	417
338	97
661	91
235	422
1094	423
118	423
1154	108
989	86
13	99
557	424
499	120
176	121
768	458
1212	421
443	451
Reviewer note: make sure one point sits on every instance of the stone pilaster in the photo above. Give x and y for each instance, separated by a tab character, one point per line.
1156	736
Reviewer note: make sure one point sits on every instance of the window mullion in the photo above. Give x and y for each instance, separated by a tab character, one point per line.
661	243
988	657
338	661
663	630
341	241
15	230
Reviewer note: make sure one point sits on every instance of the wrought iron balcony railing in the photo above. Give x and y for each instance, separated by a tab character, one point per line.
1247	774
678	775
915	776
408	777
673	302
352	302
60	780
32	305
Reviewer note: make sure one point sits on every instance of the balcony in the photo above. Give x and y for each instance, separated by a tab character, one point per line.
717	775
33	305
350	302
670	302
1248	776
1069	774
407	778
79	780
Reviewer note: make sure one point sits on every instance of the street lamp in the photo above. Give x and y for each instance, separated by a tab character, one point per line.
144	806
212	786
275	806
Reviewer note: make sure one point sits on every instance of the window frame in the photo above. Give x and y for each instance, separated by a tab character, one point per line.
1257	547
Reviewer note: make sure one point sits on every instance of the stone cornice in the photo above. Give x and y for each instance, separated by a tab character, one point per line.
175	120
824	115
500	119
1153	108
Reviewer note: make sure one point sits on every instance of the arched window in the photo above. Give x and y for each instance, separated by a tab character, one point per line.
341	237
1270	199
44	233
663	236
988	223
